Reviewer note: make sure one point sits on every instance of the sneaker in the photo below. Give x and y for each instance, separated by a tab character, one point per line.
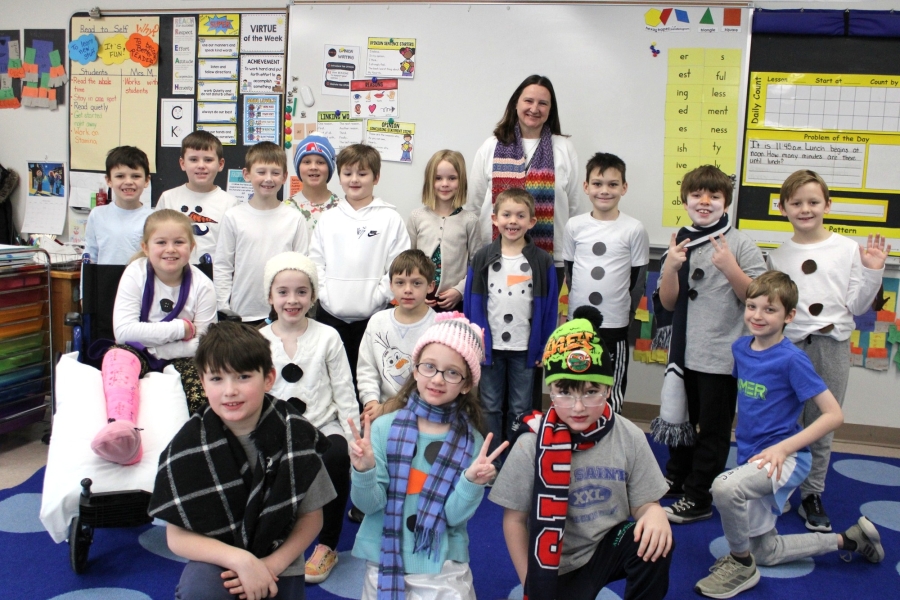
868	541
813	513
355	515
687	511
675	489
320	564
728	578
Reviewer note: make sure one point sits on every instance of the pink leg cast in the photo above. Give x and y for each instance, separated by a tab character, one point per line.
120	441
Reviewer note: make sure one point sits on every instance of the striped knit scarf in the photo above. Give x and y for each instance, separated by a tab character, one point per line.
550	495
455	455
538	178
672	427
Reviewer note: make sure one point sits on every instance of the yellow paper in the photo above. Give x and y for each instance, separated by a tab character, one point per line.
724	57
854	338
877	340
642	314
660	356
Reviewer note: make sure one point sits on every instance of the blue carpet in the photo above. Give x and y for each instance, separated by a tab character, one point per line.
134	564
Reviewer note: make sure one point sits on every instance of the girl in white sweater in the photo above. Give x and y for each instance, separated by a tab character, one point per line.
311	364
443	230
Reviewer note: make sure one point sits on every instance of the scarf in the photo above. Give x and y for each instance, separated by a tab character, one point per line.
537	177
205	484
672	427
455	455
550	495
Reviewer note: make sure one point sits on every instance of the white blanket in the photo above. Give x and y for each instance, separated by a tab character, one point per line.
80	413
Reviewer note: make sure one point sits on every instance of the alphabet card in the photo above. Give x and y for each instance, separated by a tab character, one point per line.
374	98
394	141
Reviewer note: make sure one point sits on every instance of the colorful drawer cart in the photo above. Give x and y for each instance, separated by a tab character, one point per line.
25	345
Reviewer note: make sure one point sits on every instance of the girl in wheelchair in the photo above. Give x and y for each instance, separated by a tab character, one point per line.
162	306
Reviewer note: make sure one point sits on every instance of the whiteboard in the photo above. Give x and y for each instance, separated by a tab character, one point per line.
610	88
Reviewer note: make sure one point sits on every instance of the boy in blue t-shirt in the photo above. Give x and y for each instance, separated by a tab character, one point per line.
775	379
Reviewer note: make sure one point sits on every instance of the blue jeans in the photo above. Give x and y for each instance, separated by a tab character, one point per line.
203	581
505	391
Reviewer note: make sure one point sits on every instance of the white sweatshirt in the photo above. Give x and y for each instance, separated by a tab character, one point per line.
205	210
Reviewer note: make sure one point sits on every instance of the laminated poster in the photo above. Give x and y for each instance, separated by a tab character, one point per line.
340	128
262	119
391	57
184	53
374	98
262	73
394	141
227	134
341	65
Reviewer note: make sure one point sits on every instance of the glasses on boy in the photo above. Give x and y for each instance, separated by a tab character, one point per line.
589	399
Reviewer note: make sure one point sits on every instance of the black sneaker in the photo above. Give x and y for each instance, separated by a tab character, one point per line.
675	489
813	513
355	515
687	511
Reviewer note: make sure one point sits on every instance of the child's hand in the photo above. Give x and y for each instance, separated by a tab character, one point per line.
722	257
361	455
373	410
449	298
482	469
654	534
875	253
677	254
251	581
774	457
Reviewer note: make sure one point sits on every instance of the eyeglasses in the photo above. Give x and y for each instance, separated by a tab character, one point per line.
589	399
429	370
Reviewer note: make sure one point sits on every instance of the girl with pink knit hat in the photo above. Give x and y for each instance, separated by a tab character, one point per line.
419	472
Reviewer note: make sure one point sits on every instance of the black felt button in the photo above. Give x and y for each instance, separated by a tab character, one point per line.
431	451
198	209
411	523
692	294
595	298
809	266
815	309
598	273
495	266
525	267
184	208
697	274
291	373
166	305
506	336
599	249
507	318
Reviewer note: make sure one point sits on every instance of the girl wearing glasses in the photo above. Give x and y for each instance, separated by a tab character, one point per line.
419	472
311	365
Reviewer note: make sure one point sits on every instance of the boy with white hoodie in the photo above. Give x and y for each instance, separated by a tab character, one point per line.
353	247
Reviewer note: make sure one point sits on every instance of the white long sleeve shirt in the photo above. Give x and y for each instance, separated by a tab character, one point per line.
205	210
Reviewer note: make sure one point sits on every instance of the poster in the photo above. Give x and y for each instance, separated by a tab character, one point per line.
176	121
217	69
374	98
262	73
218	47
237	186
220	24
391	57
341	65
217	112
43	54
113	96
10	55
263	33
217	91
262	119
340	128
184	44
394	141
227	134
45	205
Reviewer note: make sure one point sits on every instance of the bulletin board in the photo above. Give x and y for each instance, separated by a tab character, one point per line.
208	70
830	104
660	87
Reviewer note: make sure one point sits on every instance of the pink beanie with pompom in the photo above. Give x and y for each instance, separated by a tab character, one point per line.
453	329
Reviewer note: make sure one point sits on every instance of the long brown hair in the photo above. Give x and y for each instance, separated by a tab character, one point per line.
505	130
468	402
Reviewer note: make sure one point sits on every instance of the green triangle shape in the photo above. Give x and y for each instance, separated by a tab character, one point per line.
707	18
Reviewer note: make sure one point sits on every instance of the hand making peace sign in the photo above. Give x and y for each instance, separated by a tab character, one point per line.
482	469
361	455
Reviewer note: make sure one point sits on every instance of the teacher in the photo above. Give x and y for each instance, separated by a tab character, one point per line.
529	151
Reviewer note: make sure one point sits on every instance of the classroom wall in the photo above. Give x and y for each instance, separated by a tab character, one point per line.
30	134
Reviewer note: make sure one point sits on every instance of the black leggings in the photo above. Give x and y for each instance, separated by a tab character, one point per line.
337	464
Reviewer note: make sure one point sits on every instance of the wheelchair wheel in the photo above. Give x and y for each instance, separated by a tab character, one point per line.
80	537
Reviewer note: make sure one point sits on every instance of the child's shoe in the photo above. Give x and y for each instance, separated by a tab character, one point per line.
320	564
355	515
686	511
728	578
867	539
814	514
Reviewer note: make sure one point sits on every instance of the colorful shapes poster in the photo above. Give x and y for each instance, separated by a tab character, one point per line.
10	61
876	330
391	57
374	98
394	141
262	118
42	66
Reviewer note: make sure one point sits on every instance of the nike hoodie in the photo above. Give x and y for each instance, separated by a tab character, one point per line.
353	251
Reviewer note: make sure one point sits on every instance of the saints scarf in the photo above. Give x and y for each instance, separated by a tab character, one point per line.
550	495
672	427
206	485
454	456
538	178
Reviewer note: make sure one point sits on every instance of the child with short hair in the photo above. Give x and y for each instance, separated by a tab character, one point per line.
447	234
113	231
310	364
417	501
353	247
511	292
702	285
241	485
314	163
837	278
204	203
775	380
606	253
255	231
576	475
385	354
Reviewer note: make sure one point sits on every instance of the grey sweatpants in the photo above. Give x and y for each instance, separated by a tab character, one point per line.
732	492
831	360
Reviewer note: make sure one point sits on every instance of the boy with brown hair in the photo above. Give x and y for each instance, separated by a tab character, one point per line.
254	232
204	203
702	285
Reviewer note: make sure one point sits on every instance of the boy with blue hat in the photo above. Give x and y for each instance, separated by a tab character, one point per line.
314	162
